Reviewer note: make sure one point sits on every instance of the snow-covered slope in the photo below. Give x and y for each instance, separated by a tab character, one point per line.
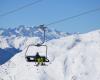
76	57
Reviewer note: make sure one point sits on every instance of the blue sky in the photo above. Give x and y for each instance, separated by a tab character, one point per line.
48	11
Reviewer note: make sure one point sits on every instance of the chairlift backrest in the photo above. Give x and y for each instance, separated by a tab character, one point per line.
32	50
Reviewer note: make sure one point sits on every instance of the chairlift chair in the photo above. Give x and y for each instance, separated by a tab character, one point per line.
33	58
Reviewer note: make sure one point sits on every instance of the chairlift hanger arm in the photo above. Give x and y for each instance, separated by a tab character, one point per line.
44	30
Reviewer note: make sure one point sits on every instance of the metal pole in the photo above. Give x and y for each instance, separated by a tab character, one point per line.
43	28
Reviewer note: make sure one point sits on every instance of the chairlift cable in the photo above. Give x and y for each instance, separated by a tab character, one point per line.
74	16
20	8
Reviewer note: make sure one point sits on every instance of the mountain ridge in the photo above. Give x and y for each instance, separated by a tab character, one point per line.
22	30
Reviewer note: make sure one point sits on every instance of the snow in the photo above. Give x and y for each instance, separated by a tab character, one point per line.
17	42
3	42
75	57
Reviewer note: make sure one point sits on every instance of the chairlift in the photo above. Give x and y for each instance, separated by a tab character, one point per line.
39	51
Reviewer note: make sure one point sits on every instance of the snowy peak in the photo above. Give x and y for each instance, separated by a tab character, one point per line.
22	30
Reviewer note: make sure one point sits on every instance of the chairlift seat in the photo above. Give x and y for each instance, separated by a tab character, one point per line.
30	58
33	58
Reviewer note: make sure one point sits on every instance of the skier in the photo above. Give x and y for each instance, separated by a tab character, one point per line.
39	60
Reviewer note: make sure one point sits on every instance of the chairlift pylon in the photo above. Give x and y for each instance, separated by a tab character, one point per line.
35	58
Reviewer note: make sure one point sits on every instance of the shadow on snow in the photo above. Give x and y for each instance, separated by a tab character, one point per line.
7	53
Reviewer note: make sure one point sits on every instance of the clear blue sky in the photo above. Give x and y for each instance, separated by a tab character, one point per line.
48	11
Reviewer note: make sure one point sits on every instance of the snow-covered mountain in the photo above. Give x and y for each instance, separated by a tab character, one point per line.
74	57
21	34
31	32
